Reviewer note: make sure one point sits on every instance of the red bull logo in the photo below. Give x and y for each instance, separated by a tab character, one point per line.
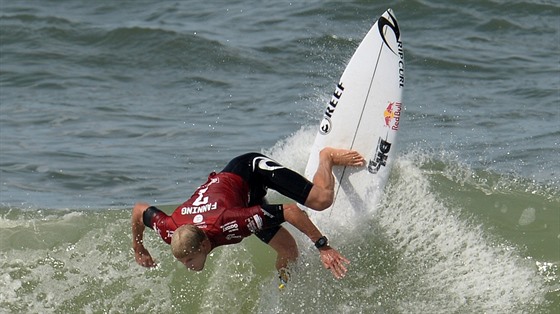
392	115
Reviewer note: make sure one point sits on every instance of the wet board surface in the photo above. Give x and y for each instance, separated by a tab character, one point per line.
363	114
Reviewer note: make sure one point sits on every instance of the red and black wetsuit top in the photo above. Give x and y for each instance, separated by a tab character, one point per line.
219	208
231	205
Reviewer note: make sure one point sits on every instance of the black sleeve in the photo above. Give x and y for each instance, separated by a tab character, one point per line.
149	214
273	215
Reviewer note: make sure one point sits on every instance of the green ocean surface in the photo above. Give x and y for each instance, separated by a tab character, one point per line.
103	104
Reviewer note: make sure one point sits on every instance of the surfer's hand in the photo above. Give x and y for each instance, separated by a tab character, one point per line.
143	257
334	261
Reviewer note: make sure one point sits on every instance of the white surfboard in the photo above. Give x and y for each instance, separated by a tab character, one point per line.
363	114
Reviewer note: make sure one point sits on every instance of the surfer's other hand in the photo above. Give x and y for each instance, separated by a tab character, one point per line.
334	261
143	257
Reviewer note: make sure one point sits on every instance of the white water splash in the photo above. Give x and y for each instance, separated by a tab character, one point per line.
431	260
454	265
528	216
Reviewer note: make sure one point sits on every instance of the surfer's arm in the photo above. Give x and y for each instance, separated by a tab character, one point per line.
330	257
141	254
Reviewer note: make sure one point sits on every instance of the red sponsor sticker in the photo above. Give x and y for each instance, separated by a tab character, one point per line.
392	115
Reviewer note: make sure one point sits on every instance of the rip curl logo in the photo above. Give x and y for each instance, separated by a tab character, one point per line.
265	163
392	24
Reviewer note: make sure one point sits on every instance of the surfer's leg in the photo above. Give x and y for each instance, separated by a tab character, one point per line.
244	167
261	173
322	193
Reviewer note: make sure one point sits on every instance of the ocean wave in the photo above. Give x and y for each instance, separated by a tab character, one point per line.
461	227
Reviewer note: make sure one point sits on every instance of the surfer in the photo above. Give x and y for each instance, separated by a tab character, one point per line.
231	205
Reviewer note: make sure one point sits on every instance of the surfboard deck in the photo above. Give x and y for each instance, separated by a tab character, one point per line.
363	115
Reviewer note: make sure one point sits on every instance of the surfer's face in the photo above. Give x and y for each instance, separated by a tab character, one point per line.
194	261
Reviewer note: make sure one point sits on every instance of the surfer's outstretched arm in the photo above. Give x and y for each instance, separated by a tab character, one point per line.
141	254
330	257
322	193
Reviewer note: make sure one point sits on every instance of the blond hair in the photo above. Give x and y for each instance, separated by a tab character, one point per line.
185	240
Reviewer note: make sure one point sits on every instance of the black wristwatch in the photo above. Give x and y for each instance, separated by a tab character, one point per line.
322	242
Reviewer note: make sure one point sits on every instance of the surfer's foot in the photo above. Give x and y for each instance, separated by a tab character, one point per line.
343	157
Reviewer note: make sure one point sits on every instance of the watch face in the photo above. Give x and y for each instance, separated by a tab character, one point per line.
321	242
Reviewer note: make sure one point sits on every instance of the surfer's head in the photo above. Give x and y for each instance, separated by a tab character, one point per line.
190	246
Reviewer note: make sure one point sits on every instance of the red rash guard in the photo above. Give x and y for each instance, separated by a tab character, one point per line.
219	208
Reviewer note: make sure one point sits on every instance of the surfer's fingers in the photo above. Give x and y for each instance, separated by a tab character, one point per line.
336	265
358	163
339	270
344	260
149	263
146	260
352	154
335	262
344	157
356	158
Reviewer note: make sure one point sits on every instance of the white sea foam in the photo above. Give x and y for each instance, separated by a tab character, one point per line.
455	264
528	216
445	262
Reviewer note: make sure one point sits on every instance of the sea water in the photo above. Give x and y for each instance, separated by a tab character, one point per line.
106	103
